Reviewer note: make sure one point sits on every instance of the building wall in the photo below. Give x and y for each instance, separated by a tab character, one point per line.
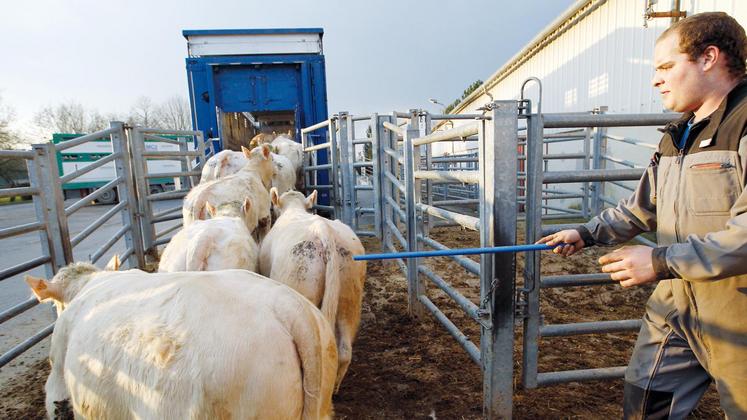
603	60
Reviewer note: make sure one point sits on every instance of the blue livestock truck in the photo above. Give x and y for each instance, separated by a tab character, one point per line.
246	81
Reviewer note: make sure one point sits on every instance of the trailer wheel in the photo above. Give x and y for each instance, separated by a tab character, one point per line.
109	197
156	188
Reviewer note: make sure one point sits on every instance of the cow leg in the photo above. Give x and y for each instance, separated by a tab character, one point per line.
344	351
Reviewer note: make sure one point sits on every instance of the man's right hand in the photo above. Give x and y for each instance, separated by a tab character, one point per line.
569	240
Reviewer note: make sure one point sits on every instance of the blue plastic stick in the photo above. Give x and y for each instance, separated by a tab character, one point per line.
447	252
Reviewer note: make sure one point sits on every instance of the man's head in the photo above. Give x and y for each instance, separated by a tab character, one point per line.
695	56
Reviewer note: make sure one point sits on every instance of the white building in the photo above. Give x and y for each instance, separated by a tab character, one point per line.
597	53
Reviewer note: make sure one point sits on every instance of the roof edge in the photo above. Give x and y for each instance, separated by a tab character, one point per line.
570	16
265	31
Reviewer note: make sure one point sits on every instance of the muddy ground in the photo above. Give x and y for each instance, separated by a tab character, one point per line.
403	368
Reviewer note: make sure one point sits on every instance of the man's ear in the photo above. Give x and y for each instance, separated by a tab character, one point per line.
710	56
113	264
311	200
274	197
44	290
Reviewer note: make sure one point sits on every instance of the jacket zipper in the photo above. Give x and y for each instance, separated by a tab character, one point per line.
680	157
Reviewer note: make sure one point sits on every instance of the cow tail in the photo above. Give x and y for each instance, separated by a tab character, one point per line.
315	345
332	280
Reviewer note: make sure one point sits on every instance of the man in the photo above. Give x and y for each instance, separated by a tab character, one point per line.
693	196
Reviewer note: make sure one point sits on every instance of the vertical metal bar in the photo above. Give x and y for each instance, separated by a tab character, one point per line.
145	207
202	158
600	148
186	181
49	247
343	166
586	185
396	170
334	177
126	191
425	129
414	286
533	231
385	140
352	178
54	200
498	165
376	156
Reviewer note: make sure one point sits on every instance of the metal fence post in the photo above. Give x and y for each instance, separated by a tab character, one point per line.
48	237
387	189
425	129
126	191
54	201
600	149
585	210
498	166
145	207
352	178
414	286
533	232
334	158
376	157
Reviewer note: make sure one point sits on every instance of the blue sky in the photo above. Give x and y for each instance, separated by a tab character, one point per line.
381	55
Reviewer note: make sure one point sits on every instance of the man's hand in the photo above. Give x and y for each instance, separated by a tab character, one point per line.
569	240
630	265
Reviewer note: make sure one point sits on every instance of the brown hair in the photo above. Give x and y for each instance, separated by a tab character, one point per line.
702	30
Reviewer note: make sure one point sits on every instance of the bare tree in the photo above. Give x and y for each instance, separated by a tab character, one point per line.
175	114
144	113
12	170
68	117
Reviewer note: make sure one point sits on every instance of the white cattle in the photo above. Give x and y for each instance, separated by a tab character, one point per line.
252	182
290	149
220	243
223	163
189	345
228	162
314	256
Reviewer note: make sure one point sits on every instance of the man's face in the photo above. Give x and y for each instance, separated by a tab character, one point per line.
679	80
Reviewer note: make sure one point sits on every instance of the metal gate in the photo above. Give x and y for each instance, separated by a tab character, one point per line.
192	151
53	216
505	182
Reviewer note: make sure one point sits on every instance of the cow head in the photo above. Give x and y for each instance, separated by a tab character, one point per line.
260	160
292	200
230	209
67	283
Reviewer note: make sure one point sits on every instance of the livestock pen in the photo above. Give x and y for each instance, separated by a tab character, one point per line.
500	310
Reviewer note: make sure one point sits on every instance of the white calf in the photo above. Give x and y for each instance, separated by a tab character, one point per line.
220	243
229	162
314	256
189	345
251	182
290	149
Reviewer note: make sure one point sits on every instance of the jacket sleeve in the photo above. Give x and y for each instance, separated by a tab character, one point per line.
631	217
717	255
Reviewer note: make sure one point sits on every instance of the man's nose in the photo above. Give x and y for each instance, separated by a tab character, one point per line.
656	80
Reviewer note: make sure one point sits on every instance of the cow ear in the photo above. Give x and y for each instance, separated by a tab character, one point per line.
311	200
246	206
43	289
211	209
113	264
274	197
266	151
247	152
